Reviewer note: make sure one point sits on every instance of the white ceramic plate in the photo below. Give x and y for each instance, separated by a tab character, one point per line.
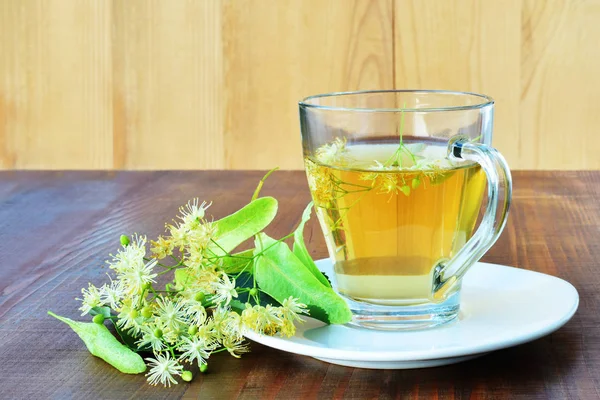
501	307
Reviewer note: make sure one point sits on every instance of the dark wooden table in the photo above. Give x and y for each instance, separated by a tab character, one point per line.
56	229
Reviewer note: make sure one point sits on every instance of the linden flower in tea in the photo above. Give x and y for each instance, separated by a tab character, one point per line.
391	213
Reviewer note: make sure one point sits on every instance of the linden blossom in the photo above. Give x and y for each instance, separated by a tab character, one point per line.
215	295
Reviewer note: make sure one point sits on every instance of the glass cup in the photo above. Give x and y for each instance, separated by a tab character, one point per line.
398	178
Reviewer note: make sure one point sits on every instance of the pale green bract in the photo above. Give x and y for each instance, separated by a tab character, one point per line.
101	343
240	226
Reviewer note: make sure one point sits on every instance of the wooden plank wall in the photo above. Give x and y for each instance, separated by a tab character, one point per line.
191	84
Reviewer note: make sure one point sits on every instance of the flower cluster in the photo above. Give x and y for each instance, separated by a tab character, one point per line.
198	312
333	153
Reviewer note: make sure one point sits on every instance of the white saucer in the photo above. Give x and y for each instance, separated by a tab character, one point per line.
501	307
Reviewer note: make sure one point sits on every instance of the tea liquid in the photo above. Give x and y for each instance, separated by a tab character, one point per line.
387	227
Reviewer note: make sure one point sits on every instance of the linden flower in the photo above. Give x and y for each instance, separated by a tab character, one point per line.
195	311
137	276
387	183
162	370
195	257
271	316
320	183
219	321
91	298
235	346
288	328
291	309
233	325
148	332
112	294
172	336
179	235
170	313
200	279
131	254
333	152
228	323
195	348
128	317
261	319
224	290
192	213
203	235
162	247
208	333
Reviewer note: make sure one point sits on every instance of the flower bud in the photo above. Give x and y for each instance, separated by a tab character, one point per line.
98	319
124	240
158	333
192	330
203	368
253	292
146	312
199	297
187	376
405	189
416	182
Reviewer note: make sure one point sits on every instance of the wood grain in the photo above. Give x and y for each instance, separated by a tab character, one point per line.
559	84
168	98
55	84
187	84
58	227
465	45
277	53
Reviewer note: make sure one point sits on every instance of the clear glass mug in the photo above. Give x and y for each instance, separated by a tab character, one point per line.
398	178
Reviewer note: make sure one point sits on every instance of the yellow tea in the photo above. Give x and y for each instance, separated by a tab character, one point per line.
388	224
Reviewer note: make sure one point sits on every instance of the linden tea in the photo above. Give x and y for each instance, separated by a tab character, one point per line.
390	215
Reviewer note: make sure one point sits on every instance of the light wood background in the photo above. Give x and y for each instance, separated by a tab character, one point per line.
149	84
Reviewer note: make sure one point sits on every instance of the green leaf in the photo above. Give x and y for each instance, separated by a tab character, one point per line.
238	262
281	274
301	251
243	224
101	343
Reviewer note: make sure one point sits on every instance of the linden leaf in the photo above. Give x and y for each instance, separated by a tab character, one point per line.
281	274
237	262
301	251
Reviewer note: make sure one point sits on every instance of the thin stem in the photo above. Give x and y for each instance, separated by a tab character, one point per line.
220	247
244	269
280	240
262	182
159	264
168	270
401	129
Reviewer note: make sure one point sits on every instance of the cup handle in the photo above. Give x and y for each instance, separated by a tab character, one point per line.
499	185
